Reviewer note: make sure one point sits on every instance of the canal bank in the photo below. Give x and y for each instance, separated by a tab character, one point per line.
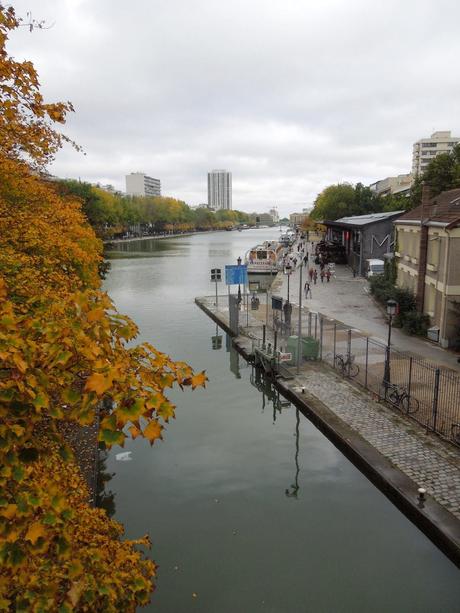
397	456
249	506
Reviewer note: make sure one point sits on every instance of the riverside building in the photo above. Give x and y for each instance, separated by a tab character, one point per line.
139	184
220	190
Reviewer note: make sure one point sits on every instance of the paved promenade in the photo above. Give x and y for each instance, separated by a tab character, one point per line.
347	299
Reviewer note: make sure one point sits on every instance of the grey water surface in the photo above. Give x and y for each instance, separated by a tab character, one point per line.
251	509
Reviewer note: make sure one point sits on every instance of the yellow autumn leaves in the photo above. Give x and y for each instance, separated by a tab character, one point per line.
64	355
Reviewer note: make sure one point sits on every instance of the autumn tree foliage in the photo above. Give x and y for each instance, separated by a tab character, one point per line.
64	352
111	213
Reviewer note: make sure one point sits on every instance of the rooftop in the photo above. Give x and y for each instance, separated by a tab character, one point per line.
444	208
363	220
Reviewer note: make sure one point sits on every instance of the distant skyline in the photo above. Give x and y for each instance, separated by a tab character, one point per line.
289	95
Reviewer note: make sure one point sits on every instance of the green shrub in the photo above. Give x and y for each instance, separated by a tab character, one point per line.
405	299
408	318
414	322
383	289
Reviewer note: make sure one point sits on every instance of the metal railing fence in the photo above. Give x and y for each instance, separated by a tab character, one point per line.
417	388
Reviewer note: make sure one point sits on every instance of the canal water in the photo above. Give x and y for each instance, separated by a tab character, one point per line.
250	508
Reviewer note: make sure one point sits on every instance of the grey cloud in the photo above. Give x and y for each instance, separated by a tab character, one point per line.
289	95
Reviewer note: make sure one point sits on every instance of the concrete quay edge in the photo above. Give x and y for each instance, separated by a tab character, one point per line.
438	524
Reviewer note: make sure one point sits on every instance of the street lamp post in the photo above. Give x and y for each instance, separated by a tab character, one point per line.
392	307
287	307
238	261
287	271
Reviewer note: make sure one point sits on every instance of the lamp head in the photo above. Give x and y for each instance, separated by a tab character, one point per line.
392	306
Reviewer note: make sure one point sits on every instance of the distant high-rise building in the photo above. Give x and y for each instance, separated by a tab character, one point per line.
139	184
220	189
426	149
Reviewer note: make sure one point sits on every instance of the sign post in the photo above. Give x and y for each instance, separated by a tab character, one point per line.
216	276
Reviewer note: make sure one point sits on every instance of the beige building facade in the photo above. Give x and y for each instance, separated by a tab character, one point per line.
297	218
425	149
428	261
400	184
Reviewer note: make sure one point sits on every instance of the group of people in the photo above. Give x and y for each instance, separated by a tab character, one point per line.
301	257
326	272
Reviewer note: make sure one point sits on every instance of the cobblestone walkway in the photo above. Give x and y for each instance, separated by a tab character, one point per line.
430	463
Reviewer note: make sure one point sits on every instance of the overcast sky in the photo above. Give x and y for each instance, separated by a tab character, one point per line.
289	95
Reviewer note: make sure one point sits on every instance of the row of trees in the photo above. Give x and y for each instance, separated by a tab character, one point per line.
65	353
345	199
112	214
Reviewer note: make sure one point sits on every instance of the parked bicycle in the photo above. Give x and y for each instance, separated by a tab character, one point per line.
455	433
346	365
401	399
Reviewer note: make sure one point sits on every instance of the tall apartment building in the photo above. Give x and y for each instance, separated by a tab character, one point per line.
139	184
426	149
220	190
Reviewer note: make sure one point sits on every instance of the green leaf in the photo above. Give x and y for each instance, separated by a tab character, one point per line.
63	357
16	555
71	396
63	545
110	437
49	519
18	473
40	401
65	452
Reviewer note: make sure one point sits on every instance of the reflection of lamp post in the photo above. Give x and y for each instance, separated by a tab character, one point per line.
292	492
238	261
392	307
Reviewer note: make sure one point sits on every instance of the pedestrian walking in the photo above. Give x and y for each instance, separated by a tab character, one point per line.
305	260
315	276
310	273
322	275
307	289
328	275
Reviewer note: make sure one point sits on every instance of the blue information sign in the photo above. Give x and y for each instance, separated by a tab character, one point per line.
236	275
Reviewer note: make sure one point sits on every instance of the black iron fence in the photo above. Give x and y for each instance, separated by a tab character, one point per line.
424	392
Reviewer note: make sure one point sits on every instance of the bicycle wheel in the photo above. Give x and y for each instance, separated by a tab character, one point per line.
410	404
394	397
455	433
354	370
339	363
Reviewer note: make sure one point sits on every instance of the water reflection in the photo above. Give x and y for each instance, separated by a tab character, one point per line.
269	392
293	490
105	498
216	340
150	248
